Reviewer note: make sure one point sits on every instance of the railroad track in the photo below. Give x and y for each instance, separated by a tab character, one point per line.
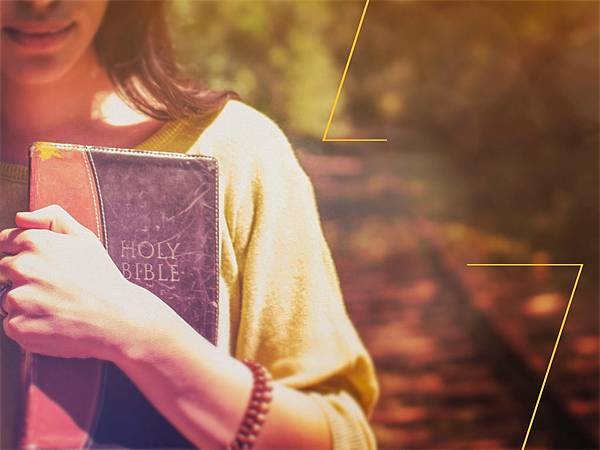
562	428
450	377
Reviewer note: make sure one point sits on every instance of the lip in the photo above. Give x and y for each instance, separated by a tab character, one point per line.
38	36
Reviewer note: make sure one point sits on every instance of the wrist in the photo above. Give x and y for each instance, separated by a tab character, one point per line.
143	326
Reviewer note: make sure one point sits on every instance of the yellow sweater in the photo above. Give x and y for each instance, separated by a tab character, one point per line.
280	299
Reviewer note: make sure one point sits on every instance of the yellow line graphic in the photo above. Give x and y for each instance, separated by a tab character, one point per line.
341	85
562	326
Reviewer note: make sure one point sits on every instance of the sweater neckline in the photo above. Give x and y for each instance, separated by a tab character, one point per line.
161	137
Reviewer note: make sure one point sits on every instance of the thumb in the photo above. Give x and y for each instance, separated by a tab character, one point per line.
51	217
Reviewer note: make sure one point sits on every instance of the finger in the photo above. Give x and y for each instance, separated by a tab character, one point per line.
8	245
23	300
6	305
14	269
11	326
16	240
31	334
51	217
4	270
4	288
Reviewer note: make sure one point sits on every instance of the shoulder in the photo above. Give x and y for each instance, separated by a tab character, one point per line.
239	119
241	135
257	164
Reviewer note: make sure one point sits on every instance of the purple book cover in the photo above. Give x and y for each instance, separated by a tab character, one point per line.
157	215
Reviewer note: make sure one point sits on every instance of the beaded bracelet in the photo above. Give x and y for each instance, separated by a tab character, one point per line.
258	406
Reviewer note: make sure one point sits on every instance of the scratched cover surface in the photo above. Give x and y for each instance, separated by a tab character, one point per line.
157	215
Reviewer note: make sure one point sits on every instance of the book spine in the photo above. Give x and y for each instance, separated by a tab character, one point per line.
61	395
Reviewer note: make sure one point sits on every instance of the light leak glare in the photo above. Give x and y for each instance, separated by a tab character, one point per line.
111	109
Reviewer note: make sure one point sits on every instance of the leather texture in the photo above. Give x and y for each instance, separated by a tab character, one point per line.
157	215
61	394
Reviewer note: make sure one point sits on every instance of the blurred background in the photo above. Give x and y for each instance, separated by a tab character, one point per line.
491	114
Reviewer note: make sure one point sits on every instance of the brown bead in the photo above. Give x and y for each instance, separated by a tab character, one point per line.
260	397
263	408
249	438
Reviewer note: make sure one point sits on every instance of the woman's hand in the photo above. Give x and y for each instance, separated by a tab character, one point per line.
68	298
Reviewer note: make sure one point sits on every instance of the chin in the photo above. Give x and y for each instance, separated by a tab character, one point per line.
36	70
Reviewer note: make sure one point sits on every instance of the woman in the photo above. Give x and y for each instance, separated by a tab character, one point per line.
63	63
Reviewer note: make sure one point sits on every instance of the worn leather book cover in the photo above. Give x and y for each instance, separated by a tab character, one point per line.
156	213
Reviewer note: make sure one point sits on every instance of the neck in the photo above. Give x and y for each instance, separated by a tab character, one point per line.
50	111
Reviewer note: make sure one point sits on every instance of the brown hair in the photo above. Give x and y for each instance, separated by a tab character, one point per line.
134	46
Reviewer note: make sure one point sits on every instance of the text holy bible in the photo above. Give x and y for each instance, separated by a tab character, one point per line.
156	213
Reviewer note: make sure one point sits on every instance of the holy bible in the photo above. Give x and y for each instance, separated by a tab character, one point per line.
156	213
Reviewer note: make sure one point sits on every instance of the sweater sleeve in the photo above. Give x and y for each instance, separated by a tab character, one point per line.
293	319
